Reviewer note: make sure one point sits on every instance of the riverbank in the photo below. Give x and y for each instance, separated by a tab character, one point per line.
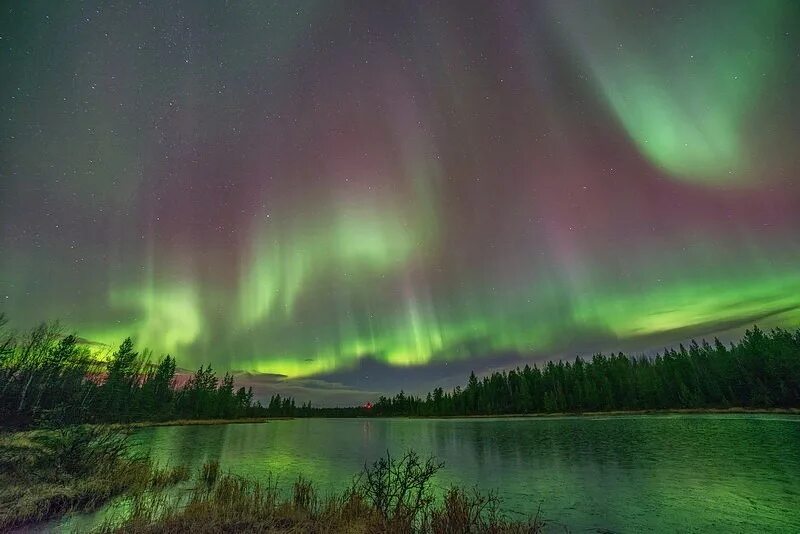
45	474
680	411
614	413
192	422
392	496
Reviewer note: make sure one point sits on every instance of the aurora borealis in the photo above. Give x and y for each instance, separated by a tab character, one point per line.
297	188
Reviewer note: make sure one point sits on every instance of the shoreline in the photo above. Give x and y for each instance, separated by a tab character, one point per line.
47	494
613	413
193	422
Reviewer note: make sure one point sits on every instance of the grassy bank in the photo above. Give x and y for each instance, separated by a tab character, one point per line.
390	496
45	474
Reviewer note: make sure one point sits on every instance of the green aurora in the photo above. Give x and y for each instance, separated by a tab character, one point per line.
415	186
685	91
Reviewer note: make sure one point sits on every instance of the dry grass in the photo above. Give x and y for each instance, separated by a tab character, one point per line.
209	472
46	474
236	504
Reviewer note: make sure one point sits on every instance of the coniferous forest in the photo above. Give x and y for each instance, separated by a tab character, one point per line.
762	370
49	377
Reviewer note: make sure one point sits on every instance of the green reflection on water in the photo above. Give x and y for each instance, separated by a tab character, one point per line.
639	473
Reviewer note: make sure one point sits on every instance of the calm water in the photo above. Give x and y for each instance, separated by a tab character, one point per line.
704	473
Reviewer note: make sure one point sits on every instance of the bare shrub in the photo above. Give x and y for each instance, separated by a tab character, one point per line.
398	489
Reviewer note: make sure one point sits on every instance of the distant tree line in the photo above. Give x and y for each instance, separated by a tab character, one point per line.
762	370
48	377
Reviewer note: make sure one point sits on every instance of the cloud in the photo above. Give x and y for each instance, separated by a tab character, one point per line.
319	391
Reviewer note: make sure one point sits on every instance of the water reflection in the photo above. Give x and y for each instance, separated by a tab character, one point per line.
665	473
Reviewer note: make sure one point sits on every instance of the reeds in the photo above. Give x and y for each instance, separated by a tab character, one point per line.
209	472
405	506
46	474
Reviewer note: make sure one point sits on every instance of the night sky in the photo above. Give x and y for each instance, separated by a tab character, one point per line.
345	198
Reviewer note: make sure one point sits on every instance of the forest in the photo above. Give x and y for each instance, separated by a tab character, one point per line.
761	370
48	377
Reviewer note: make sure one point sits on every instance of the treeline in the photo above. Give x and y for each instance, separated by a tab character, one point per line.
47	377
762	370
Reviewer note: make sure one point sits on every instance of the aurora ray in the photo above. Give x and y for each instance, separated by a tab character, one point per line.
300	191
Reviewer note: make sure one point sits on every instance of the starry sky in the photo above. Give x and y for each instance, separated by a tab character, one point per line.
344	198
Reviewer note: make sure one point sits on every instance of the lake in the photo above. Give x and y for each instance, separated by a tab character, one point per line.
665	473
